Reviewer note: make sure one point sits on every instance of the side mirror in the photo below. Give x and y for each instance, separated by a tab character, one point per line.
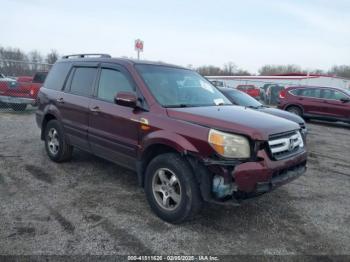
128	99
345	100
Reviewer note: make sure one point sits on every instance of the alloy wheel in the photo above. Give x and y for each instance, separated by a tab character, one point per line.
166	189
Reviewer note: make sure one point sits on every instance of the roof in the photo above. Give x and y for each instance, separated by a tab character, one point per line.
122	61
303	74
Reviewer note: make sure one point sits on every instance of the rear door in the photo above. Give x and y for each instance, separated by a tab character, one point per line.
309	99
113	129
333	106
74	102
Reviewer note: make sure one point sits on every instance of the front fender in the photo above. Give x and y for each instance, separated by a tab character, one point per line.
173	140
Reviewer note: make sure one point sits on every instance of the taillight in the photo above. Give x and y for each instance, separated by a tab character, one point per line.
282	94
31	92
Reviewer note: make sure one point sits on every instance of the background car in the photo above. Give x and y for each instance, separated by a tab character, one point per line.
251	90
324	103
17	94
240	98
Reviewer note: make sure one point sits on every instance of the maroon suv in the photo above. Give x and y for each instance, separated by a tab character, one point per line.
324	103
185	140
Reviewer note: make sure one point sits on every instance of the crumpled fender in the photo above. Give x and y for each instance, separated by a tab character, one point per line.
179	143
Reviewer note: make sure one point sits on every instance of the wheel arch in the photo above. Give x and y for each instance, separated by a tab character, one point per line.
295	105
161	143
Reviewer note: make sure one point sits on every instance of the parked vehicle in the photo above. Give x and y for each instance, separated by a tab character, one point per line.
9	95
34	82
325	103
240	98
251	90
19	93
272	94
218	83
185	140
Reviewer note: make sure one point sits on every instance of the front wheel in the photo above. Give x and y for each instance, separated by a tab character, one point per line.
171	188
295	110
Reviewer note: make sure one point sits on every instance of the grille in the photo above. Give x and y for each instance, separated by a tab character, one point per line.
285	145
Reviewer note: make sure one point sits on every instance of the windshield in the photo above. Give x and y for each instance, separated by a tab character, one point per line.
175	87
242	99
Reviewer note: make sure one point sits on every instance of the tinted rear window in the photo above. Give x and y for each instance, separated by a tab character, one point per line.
57	76
40	77
82	81
311	92
295	92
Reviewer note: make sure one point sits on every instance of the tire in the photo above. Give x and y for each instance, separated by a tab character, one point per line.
19	107
295	110
55	139
185	188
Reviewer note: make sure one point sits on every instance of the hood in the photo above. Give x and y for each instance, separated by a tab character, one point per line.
283	114
235	119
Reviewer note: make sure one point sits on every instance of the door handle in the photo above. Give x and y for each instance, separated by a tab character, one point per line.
95	109
60	100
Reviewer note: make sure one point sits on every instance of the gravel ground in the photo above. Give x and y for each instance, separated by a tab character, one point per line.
91	206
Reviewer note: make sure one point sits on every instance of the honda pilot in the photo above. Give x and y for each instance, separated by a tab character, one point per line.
183	138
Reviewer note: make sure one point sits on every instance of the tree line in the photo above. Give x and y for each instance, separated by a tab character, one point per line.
15	62
230	69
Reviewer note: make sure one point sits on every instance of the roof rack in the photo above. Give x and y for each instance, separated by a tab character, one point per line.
86	55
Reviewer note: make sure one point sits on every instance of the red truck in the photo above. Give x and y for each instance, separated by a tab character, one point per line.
251	90
21	92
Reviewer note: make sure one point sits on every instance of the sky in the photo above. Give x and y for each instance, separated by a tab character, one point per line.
314	34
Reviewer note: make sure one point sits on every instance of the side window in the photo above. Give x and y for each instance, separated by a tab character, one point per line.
311	92
111	82
339	95
57	76
296	92
332	94
39	77
82	81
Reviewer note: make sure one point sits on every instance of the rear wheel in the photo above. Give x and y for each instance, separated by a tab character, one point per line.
56	144
171	188
295	110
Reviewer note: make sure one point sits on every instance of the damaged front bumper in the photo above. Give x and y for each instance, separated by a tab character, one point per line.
251	179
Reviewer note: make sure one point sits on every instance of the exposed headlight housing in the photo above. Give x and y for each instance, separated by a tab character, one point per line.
229	145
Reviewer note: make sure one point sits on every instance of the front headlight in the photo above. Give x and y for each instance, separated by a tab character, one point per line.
229	145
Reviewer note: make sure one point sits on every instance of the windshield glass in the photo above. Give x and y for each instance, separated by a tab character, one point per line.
242	99
175	87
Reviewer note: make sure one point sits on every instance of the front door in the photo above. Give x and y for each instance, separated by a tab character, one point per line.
333	105
113	129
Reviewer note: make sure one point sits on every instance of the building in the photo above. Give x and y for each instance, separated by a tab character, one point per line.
284	80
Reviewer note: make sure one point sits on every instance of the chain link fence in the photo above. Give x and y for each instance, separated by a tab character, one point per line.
20	82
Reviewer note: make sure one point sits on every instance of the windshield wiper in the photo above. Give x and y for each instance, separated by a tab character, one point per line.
179	105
